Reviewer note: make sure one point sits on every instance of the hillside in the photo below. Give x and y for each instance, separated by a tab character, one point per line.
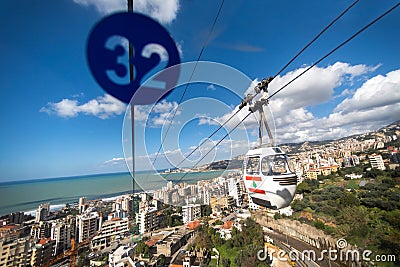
385	133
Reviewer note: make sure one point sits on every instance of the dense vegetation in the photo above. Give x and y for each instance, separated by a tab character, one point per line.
240	250
171	217
364	211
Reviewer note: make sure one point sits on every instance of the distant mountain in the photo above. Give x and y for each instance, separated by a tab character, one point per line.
388	130
226	164
395	126
293	148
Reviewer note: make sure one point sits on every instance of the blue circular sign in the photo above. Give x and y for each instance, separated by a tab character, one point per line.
152	47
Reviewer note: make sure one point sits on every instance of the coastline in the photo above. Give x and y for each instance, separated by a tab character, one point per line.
26	196
56	207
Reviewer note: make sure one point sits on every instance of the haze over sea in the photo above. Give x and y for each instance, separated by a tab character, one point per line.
27	195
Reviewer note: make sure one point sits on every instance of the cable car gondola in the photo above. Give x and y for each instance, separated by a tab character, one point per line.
269	180
267	175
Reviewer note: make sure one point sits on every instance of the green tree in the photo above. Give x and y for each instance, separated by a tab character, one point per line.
177	220
393	218
203	239
314	184
319	224
349	199
298	205
373	173
218	222
205	210
83	259
143	249
225	262
277	216
303	187
161	261
353	223
217	240
395	173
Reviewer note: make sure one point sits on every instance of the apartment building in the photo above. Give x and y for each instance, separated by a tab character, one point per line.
15	252
42	252
376	162
191	212
87	225
148	220
61	233
110	230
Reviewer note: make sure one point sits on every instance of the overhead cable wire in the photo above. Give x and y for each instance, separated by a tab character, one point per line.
337	47
279	72
316	37
190	79
214	146
214	132
298	76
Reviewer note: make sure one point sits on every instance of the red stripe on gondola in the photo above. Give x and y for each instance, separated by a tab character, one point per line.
255	190
254	178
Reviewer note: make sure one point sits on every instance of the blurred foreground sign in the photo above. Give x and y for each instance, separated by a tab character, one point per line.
153	50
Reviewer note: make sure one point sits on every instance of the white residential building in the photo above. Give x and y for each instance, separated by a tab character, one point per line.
61	233
148	220
41	230
191	212
42	212
82	204
206	196
121	257
110	230
234	190
376	161
42	252
87	225
287	211
170	185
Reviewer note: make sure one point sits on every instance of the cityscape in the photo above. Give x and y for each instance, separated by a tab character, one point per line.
167	222
200	133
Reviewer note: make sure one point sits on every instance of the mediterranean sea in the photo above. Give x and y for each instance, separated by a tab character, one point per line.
27	195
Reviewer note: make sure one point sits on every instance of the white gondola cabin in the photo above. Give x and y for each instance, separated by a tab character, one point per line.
268	177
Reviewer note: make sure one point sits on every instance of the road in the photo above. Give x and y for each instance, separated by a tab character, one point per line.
297	246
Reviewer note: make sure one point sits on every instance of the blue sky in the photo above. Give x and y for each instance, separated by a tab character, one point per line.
57	121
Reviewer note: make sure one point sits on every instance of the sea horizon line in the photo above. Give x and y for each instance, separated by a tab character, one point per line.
28	180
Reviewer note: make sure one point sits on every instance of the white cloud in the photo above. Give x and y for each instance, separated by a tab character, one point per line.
114	161
374	104
314	87
150	49
141	113
107	106
165	106
104	6
179	46
157	115
344	93
102	107
78	95
162	113
64	108
377	92
164	11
